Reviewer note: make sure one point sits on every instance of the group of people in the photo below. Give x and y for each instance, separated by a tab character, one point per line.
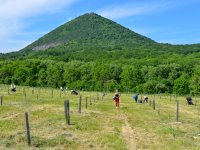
72	91
62	89
13	87
144	99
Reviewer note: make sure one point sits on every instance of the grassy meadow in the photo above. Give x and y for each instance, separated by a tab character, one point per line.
100	125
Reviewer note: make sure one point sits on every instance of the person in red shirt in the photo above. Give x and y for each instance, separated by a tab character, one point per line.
117	100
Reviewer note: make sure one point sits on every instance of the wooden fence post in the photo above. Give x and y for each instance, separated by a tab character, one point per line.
154	105
86	103
90	100
39	91
28	129
1	100
79	105
175	97
52	93
67	114
177	111
23	90
25	96
8	90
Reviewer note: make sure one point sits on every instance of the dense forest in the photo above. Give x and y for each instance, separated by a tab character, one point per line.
162	74
94	53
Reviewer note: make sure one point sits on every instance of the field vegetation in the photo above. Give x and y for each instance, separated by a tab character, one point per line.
100	125
95	55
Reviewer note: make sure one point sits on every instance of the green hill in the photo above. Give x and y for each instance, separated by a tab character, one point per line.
91	36
95	53
90	31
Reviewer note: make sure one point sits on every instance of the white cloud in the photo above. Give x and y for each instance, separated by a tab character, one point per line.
24	8
139	8
13	14
125	10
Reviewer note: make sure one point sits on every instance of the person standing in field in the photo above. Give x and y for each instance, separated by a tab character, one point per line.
136	97
116	98
61	88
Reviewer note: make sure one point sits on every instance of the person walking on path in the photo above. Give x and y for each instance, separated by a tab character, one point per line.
116	98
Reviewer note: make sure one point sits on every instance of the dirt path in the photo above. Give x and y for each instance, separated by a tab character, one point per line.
128	134
10	116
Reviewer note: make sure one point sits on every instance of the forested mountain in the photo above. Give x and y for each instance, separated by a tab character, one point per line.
95	53
89	32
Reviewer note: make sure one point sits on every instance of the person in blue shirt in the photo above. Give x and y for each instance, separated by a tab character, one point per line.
189	100
136	97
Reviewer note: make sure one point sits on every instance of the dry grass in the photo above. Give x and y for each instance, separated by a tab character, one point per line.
101	126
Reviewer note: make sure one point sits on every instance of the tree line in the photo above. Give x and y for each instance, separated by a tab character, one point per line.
177	74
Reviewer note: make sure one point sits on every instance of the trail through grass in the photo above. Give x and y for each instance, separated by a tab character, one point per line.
100	126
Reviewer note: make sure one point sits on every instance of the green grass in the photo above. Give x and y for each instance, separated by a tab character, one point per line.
99	126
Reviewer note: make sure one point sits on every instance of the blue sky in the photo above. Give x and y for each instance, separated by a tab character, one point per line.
165	21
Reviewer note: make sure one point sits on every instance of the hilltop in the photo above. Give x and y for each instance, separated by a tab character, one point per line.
91	35
88	31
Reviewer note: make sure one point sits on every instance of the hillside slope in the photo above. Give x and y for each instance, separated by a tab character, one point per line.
93	36
90	31
97	54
